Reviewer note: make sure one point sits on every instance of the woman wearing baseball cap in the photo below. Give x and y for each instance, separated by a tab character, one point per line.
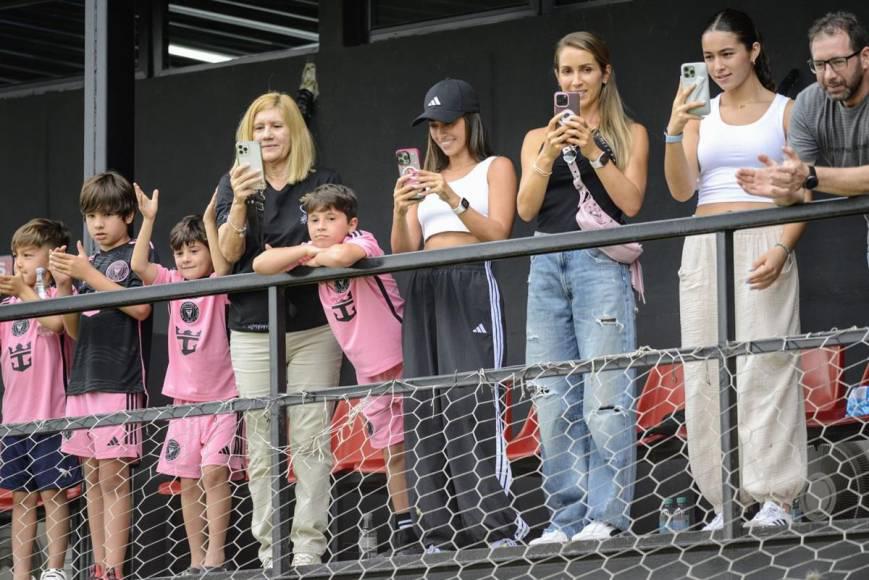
459	475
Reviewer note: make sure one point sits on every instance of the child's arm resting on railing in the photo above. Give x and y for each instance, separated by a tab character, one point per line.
337	256
277	260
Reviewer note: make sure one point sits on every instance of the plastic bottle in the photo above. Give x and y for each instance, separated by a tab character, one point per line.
681	520
665	517
40	282
367	538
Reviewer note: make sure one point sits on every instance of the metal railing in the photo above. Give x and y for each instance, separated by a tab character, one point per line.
726	350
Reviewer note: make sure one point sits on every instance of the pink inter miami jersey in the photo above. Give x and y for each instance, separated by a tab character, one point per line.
199	364
33	363
365	314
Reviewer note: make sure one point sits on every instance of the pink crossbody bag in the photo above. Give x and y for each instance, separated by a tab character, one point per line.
590	216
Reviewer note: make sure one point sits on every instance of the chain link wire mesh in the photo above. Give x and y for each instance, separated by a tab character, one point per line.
830	513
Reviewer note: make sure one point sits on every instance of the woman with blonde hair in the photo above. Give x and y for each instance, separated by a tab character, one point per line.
580	303
255	210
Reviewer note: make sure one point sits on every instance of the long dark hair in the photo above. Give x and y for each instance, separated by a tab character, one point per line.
478	145
741	25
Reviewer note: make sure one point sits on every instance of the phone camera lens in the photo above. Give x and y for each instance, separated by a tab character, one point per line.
404	158
561	100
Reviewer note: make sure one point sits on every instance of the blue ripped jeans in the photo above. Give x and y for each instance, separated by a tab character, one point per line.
580	306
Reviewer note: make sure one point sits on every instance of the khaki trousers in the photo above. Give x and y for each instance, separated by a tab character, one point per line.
772	427
313	362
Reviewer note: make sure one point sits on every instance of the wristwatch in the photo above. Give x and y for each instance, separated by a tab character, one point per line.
463	206
600	161
811	181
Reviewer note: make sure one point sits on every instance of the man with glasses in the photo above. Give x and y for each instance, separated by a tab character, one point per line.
829	124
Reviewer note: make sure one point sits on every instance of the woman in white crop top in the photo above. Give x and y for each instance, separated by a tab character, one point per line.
453	322
703	155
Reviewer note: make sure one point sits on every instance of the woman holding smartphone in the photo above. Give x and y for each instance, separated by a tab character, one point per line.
703	155
249	218
580	303
459	475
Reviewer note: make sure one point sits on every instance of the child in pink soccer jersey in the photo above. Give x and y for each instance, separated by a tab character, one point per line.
33	361
365	316
203	451
108	369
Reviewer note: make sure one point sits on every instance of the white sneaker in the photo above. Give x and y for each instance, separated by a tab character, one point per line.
503	543
305	559
550	537
432	549
716	524
595	531
53	574
771	515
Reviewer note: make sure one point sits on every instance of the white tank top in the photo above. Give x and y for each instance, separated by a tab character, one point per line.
436	216
725	148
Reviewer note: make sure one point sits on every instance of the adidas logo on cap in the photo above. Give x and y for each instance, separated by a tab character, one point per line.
435	102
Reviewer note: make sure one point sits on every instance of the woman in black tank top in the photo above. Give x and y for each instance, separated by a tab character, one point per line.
580	303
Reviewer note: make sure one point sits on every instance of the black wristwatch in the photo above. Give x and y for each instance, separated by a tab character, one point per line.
811	181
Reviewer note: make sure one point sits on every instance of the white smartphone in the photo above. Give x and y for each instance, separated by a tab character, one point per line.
694	73
250	152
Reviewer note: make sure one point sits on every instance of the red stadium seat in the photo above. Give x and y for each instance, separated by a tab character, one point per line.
526	443
823	387
662	397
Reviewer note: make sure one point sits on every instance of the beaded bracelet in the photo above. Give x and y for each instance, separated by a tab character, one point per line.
238	230
784	247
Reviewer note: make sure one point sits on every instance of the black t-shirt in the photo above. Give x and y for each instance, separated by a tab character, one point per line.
561	200
278	221
113	348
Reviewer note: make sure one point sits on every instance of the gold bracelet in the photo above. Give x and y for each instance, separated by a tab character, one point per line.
539	171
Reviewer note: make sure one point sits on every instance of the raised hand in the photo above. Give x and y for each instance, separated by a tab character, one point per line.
405	194
147	206
679	116
210	213
245	181
73	265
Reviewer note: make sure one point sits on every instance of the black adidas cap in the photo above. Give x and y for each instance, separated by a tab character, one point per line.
447	101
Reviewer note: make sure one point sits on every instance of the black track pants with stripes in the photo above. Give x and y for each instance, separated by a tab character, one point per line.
458	473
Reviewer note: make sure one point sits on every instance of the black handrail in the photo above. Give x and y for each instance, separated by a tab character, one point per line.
641	232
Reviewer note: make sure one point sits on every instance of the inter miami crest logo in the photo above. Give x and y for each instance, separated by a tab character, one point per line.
341	286
188	340
189	312
173	448
19	327
118	271
20	357
66	434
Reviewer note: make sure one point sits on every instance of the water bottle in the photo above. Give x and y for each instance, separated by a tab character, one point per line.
40	282
681	520
665	517
367	538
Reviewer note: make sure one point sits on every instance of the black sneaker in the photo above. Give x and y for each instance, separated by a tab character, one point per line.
405	542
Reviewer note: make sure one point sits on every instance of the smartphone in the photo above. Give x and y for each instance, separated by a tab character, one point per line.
566	104
250	152
694	73
408	164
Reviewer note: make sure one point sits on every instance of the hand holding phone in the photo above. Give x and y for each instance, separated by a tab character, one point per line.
565	104
695	73
250	153
408	165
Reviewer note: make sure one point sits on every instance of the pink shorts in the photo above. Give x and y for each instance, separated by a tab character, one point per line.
384	413
195	442
112	442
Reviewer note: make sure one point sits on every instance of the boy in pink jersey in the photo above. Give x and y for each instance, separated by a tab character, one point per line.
33	362
202	451
108	369
365	316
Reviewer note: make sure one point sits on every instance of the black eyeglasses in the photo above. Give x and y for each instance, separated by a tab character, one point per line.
838	64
